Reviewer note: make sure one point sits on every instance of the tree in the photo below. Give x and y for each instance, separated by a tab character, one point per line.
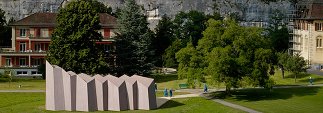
191	65
73	42
296	64
282	61
133	45
5	30
188	27
228	53
278	32
163	37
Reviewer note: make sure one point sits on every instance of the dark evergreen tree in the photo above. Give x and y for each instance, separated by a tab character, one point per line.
163	38
73	41
133	45
5	31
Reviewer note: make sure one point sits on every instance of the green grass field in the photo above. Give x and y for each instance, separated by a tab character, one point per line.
302	79
282	100
26	84
35	103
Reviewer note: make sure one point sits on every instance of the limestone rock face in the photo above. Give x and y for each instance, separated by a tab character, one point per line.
250	11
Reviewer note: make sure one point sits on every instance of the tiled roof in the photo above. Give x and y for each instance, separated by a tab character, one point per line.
311	9
49	19
37	19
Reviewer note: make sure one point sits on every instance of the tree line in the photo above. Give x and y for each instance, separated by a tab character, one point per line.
202	47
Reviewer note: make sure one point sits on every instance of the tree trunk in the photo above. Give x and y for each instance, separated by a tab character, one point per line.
227	90
283	74
295	78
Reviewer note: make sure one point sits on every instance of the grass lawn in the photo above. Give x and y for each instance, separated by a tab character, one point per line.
282	100
35	103
167	81
26	84
289	79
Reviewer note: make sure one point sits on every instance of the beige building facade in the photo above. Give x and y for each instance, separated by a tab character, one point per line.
307	37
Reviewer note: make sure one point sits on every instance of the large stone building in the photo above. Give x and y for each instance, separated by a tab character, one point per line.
308	33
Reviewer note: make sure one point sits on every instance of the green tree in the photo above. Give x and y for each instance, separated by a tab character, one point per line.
5	30
191	65
228	53
73	41
188	27
282	61
296	64
164	36
134	49
278	32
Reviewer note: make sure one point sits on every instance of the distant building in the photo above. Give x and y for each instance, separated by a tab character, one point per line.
31	37
308	32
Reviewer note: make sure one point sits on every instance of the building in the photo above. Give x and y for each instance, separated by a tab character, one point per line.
308	32
31	37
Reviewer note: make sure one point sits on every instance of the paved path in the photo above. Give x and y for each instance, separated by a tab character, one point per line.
317	72
235	106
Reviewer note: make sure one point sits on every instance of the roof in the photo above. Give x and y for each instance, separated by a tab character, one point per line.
311	9
49	20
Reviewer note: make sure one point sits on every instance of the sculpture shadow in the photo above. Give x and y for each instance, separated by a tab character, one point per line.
258	94
171	104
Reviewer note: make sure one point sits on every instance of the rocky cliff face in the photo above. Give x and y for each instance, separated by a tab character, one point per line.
250	11
19	9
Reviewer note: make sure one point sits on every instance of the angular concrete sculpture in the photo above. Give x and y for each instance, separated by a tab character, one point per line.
132	89
81	92
101	85
85	93
69	83
146	93
117	92
54	88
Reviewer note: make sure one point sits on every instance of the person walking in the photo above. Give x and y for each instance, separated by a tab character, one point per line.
170	92
165	93
205	88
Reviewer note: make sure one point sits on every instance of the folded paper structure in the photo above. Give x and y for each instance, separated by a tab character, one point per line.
81	92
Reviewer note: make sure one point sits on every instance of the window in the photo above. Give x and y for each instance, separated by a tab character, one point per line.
8	61
318	26
319	42
37	61
22	72
23	32
22	46
44	33
35	73
22	61
108	48
37	47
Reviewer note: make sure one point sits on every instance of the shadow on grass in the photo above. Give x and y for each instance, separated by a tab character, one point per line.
165	78
314	80
171	104
265	94
301	75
